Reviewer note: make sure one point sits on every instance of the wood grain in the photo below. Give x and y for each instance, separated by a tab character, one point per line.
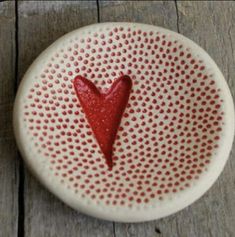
210	25
41	23
8	151
161	13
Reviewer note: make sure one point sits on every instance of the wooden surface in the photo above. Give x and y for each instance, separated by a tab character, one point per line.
26	208
8	153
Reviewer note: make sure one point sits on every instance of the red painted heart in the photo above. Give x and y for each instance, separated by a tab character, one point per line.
104	110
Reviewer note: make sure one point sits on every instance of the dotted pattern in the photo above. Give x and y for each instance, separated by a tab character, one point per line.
169	131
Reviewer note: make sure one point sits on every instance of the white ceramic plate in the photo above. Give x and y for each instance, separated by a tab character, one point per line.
174	137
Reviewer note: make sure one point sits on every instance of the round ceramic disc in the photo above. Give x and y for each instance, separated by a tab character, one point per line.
174	136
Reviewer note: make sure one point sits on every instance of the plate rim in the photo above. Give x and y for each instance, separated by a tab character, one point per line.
134	215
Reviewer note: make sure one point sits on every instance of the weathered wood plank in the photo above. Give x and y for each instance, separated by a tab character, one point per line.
40	23
161	13
210	25
8	151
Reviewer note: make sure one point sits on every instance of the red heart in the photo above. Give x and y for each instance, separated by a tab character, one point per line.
104	110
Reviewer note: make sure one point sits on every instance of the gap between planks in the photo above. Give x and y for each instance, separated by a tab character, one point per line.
21	211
